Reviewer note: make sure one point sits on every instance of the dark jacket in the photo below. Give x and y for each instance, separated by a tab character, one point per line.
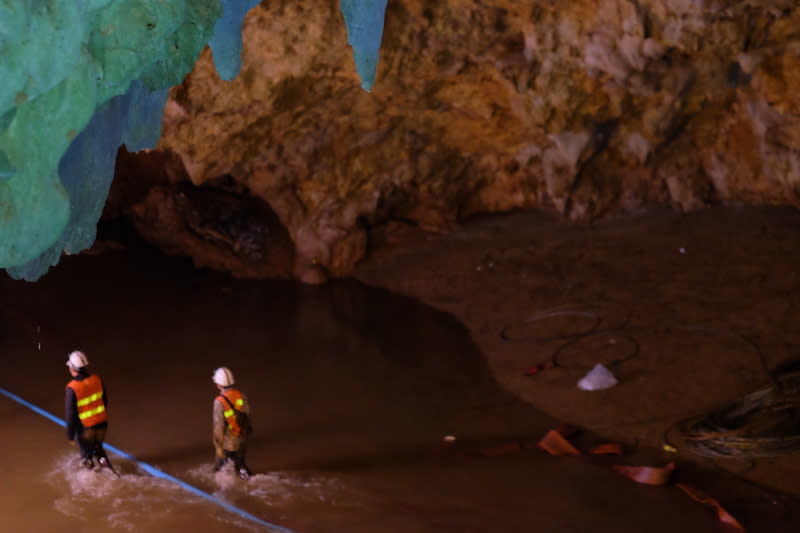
74	426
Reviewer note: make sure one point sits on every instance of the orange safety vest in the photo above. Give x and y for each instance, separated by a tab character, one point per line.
237	401
89	396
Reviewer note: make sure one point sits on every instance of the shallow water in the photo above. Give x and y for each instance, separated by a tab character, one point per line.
352	390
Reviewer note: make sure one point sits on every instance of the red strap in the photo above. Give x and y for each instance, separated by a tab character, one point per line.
555	444
610	448
729	523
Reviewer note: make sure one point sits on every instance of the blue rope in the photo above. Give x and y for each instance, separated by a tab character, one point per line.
155	472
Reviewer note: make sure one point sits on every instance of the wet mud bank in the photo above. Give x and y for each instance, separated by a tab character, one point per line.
691	312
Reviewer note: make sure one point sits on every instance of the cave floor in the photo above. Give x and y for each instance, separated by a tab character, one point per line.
354	386
691	312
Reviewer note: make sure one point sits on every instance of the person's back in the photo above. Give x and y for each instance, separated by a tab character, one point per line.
86	411
231	423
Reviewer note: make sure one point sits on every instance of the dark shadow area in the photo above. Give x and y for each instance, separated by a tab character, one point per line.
219	224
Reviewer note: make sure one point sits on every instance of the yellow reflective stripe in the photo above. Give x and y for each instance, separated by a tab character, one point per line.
239	402
228	413
89	399
92	412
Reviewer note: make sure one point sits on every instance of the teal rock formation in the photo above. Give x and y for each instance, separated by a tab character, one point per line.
87	168
80	78
61	63
364	21
226	43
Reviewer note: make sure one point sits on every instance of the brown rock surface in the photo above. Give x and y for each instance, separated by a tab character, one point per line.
591	107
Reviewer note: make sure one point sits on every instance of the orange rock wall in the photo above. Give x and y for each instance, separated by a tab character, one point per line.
585	106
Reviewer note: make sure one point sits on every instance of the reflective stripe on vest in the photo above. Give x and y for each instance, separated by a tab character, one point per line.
91	412
89	396
235	398
93	398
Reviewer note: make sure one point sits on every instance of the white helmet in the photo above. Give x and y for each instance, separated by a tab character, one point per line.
223	376
77	360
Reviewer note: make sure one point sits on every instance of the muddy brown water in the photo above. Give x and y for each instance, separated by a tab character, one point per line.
352	389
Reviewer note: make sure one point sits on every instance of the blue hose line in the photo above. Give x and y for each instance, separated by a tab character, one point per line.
155	472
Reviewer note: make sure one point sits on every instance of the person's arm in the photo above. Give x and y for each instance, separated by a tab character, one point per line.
71	414
105	393
218	424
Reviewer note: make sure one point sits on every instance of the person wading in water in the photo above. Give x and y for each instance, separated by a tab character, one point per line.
86	413
231	423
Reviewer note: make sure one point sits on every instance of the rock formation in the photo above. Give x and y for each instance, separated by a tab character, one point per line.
81	79
591	107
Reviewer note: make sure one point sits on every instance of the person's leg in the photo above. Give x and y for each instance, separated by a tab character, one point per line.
237	458
98	450
229	456
85	447
98	436
239	463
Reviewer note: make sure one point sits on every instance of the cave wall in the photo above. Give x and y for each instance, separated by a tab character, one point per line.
588	107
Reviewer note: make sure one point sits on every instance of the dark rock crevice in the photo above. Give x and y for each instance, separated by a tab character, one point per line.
219	224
